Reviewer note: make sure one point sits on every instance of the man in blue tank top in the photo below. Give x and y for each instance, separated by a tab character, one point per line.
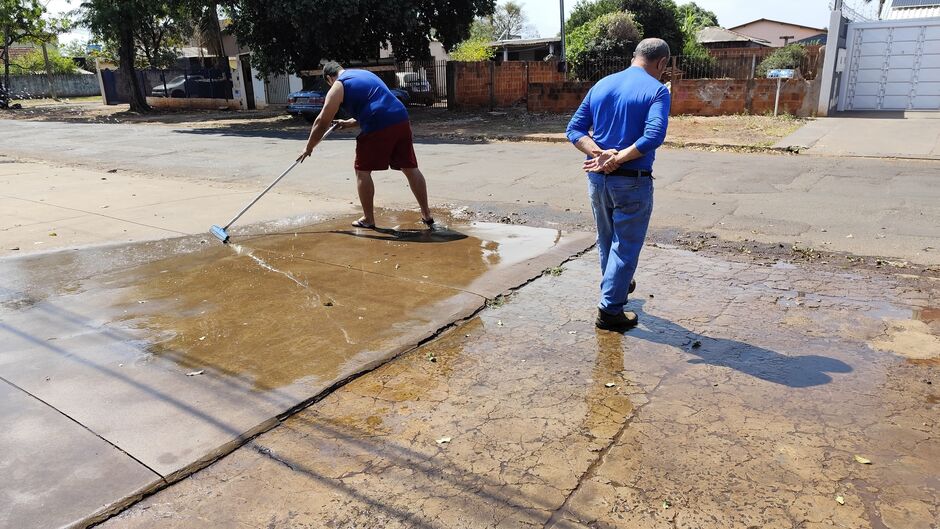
619	126
385	141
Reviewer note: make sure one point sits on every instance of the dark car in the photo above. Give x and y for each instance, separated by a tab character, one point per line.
308	103
178	86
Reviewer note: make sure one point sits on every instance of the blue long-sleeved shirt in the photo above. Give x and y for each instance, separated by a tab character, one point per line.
622	109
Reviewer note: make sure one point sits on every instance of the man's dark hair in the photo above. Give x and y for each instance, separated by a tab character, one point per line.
652	49
332	69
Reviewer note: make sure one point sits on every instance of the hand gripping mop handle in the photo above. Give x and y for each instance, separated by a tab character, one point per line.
274	183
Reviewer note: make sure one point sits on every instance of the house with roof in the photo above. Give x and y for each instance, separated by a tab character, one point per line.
716	38
909	9
777	33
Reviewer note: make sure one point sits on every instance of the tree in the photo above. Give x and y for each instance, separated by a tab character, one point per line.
694	18
295	35
657	18
603	45
700	17
20	20
472	50
34	62
510	22
587	10
116	21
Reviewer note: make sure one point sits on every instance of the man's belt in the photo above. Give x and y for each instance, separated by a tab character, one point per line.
630	172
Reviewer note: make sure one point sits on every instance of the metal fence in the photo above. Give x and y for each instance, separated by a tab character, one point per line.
207	83
424	82
695	67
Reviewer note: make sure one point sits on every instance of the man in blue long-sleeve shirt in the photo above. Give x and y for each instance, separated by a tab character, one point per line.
628	113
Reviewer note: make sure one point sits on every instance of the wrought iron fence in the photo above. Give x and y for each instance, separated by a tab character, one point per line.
696	67
424	82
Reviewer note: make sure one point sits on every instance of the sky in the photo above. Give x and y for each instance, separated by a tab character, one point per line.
543	14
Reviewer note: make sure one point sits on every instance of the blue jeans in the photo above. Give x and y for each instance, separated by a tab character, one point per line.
622	208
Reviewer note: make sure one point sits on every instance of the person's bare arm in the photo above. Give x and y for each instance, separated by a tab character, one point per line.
334	98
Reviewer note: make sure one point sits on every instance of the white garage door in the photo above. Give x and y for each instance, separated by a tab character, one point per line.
892	65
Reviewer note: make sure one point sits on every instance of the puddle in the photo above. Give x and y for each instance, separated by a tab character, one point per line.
278	309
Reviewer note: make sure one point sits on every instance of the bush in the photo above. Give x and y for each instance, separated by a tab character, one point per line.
608	37
788	57
33	62
473	50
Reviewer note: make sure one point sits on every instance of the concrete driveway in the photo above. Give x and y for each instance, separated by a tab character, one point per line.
911	135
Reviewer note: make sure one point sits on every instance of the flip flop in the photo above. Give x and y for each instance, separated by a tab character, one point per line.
360	224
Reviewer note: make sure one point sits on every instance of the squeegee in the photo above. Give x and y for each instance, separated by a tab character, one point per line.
222	233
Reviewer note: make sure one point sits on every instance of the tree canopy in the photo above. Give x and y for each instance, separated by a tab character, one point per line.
294	35
657	18
610	36
587	10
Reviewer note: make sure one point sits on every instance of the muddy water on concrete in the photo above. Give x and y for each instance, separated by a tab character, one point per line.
277	309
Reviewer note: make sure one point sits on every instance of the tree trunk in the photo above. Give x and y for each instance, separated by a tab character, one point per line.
4	94
127	54
45	58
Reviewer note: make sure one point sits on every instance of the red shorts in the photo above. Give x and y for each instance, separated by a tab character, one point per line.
389	147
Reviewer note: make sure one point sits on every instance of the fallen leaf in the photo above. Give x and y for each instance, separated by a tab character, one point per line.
195	373
609	384
862	460
667	504
443	440
500	323
840	500
201	338
53	234
696	344
572	332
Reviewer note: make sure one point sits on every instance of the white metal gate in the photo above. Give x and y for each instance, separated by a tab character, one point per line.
892	65
277	89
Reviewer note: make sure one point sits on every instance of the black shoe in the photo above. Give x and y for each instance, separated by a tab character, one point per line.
616	322
632	286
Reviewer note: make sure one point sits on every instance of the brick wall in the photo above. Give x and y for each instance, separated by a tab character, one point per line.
722	97
500	84
559	98
541	88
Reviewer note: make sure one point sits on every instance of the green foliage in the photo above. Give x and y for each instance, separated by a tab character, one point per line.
154	30
482	29
788	57
33	62
657	18
699	16
473	50
587	10
610	36
21	21
294	35
694	19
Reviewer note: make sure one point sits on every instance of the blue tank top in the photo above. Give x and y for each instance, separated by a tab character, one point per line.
366	98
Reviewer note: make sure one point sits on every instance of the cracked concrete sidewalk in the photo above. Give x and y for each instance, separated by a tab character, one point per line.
741	401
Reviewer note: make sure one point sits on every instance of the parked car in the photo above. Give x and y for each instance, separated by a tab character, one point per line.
308	103
417	87
177	87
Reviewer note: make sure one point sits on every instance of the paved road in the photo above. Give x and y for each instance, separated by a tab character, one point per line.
863	206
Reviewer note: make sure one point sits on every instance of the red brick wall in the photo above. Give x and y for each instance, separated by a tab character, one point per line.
722	97
510	82
559	98
543	89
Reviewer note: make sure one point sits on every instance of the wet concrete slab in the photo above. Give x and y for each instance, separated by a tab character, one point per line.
177	351
741	401
54	471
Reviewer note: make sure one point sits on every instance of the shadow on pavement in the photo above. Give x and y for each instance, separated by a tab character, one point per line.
792	371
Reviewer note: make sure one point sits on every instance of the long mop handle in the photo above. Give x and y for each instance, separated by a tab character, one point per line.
274	183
